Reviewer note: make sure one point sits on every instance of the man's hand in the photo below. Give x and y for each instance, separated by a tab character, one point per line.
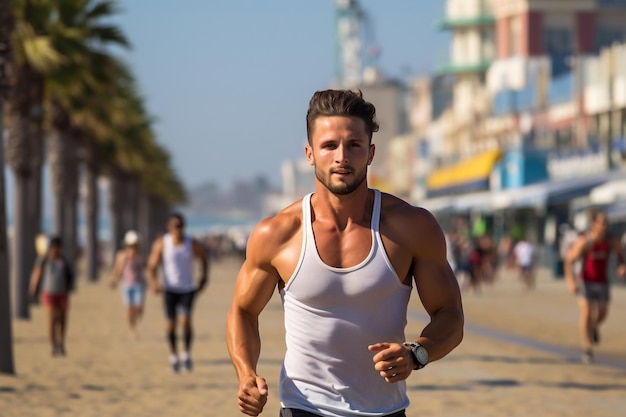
393	361
156	288
621	271
572	286
202	284
252	395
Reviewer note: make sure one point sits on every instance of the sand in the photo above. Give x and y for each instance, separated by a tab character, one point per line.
106	373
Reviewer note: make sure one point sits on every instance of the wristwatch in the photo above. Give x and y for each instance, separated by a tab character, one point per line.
419	353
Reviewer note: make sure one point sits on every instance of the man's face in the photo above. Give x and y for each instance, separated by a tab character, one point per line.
340	151
54	251
600	225
175	226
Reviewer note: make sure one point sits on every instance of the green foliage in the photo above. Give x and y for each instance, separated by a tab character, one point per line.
89	91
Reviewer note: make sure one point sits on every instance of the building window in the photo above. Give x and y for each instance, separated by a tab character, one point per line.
488	43
606	36
559	46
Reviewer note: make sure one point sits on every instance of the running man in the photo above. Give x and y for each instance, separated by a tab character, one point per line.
344	259
177	251
593	289
55	274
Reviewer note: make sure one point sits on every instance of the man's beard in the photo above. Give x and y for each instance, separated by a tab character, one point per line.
341	188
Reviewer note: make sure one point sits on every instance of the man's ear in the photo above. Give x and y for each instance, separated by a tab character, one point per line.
371	155
308	152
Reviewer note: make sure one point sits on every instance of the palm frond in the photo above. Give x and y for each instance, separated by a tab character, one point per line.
41	55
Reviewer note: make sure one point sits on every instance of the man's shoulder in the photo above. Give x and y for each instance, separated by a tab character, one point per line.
408	224
396	208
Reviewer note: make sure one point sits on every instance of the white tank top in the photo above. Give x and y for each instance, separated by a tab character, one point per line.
178	265
331	316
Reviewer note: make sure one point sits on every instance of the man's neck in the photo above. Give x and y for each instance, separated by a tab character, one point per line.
178	239
355	207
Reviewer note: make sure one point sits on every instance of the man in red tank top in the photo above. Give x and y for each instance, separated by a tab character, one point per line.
593	249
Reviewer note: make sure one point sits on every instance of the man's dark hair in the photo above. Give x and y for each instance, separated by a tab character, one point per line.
596	214
340	103
178	216
55	241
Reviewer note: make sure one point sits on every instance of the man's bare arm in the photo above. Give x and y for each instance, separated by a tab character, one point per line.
200	252
255	285
573	254
35	277
438	290
153	263
117	269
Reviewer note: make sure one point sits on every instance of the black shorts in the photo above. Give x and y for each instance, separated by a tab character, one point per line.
183	302
594	291
293	412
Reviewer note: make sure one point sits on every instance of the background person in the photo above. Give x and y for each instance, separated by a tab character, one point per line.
129	268
176	251
592	285
56	276
525	255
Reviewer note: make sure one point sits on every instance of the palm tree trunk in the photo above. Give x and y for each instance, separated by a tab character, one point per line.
91	212
161	214
116	198
33	191
144	223
56	155
35	136
18	155
70	235
131	202
20	271
6	332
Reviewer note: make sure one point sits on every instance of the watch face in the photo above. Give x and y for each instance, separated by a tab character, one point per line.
422	355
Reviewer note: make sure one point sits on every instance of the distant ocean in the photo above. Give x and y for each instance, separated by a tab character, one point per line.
195	226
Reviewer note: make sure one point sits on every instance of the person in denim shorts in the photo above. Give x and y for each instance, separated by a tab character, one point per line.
129	268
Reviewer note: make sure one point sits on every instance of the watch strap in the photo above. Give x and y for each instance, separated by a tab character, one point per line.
414	346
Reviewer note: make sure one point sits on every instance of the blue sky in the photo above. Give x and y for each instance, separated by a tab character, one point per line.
229	80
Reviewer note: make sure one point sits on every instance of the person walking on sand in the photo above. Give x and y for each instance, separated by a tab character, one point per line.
56	276
344	260
593	288
524	253
129	268
177	251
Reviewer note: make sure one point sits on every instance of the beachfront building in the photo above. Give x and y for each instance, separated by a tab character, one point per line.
297	180
428	99
389	97
551	88
472	51
537	116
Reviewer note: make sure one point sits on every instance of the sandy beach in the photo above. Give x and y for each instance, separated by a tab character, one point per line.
520	357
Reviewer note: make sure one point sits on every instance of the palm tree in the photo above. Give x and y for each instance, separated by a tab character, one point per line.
51	37
34	57
81	38
6	333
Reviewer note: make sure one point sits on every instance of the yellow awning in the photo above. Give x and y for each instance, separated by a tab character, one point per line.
379	183
472	169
